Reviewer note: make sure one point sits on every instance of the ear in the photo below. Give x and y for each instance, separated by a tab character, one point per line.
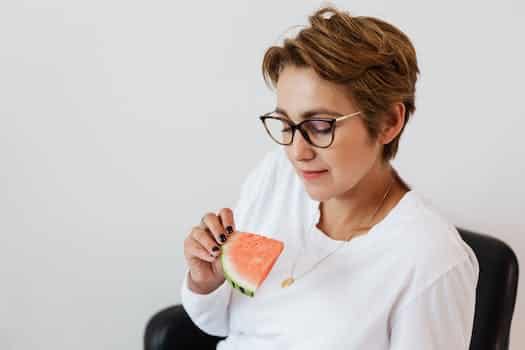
394	121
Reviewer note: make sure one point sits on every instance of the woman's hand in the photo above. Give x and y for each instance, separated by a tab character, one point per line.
201	249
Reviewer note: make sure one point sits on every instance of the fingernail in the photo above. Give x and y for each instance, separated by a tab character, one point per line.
229	229
215	248
222	237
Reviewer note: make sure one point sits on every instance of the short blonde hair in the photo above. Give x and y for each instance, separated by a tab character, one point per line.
372	58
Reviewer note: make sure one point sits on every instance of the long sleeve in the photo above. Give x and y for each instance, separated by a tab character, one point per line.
442	315
210	311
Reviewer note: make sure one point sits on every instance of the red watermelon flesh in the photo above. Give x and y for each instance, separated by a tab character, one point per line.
247	259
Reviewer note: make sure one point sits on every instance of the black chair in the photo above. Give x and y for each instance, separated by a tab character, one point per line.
172	329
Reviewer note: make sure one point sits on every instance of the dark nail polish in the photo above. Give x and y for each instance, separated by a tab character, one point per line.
222	237
215	248
229	229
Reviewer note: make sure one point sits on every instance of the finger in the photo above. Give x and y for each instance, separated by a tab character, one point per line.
195	250
206	240
202	224
226	219
211	221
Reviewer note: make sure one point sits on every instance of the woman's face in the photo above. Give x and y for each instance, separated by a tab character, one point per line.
351	154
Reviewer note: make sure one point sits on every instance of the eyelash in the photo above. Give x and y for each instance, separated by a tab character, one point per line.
320	131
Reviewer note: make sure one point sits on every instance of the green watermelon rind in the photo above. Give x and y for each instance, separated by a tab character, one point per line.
235	284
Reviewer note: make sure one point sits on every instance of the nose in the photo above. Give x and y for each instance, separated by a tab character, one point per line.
300	149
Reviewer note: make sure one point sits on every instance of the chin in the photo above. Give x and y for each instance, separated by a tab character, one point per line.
317	194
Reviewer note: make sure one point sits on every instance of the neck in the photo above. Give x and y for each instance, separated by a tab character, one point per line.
353	210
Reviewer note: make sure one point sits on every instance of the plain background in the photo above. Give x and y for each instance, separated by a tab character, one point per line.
123	122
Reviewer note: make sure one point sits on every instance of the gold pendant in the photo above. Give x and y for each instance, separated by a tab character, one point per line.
287	282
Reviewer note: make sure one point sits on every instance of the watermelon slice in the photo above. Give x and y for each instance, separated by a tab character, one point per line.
247	259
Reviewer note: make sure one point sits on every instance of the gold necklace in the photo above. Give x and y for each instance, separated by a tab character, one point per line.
290	280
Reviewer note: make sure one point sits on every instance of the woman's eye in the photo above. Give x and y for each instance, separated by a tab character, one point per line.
323	131
319	127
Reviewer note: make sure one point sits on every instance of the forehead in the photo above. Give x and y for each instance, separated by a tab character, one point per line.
301	89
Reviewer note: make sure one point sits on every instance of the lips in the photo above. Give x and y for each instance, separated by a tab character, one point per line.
312	175
313	171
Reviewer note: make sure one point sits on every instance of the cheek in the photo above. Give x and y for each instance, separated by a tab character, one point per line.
350	158
348	151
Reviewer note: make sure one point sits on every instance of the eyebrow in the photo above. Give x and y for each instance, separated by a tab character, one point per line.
310	113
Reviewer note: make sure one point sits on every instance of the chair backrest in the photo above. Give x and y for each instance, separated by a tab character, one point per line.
495	293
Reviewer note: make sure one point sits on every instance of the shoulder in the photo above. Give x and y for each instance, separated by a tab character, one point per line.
431	245
265	172
272	175
272	196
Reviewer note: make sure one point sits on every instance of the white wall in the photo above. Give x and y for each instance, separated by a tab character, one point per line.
122	122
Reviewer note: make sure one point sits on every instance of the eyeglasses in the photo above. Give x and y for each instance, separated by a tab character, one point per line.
318	132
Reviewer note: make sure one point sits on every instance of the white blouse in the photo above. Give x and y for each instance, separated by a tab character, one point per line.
409	283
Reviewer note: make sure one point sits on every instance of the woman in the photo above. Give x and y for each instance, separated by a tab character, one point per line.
368	263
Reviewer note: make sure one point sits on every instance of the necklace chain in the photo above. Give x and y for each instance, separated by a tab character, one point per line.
292	279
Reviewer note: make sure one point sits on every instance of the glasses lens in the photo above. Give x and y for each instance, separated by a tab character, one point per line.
319	131
279	130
